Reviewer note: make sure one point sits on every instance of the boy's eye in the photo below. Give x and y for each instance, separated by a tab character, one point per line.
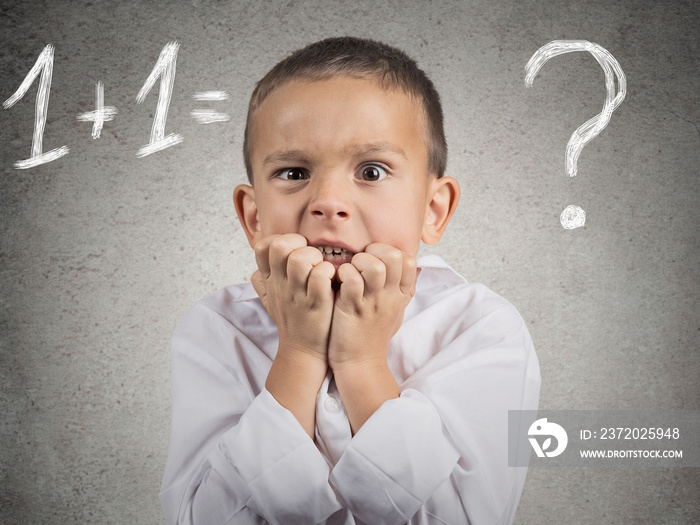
372	172
292	174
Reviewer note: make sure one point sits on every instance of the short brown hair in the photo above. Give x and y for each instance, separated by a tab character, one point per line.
359	58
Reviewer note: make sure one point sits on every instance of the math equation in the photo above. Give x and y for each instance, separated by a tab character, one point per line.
164	70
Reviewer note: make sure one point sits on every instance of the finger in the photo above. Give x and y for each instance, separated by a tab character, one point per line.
258	285
351	284
280	248
261	249
300	262
409	275
321	279
392	259
372	270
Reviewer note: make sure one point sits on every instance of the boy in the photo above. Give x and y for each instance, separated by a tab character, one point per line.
349	383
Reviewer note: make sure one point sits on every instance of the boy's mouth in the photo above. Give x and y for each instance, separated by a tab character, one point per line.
335	254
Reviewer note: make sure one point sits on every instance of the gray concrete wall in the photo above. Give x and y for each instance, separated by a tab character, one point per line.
101	252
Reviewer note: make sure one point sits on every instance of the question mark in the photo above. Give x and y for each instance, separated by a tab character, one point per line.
573	216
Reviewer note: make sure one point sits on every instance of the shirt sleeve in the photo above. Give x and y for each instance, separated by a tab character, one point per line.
439	453
235	457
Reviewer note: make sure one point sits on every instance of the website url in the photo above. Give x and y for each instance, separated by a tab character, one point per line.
606	454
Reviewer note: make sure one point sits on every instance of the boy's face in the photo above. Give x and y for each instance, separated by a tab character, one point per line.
344	163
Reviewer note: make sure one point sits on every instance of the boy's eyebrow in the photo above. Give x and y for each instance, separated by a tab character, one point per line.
282	157
377	147
296	155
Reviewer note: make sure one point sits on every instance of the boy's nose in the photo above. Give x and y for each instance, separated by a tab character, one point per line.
329	202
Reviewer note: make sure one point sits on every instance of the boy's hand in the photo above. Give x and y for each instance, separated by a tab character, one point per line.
294	284
369	307
375	289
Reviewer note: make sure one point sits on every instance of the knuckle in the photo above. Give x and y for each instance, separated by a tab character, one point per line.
363	260
278	244
376	267
296	258
358	257
259	246
346	272
323	269
393	257
287	242
311	254
375	247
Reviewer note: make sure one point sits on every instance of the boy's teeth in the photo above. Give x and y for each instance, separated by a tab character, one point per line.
333	250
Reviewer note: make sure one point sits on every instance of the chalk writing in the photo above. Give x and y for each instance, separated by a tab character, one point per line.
165	69
101	113
573	216
209	116
44	64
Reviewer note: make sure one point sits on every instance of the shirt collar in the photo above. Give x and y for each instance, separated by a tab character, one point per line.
431	261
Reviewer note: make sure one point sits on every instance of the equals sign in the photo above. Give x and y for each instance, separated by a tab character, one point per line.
209	116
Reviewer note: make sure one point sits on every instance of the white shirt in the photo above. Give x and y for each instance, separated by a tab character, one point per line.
437	454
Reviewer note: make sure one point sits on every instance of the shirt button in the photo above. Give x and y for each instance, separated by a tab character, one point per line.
332	404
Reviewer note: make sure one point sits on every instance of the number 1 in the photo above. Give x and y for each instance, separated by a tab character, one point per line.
44	64
165	69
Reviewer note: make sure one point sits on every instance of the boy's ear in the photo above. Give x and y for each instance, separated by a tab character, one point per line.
247	210
444	196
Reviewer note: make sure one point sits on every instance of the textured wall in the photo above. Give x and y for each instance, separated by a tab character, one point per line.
101	252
